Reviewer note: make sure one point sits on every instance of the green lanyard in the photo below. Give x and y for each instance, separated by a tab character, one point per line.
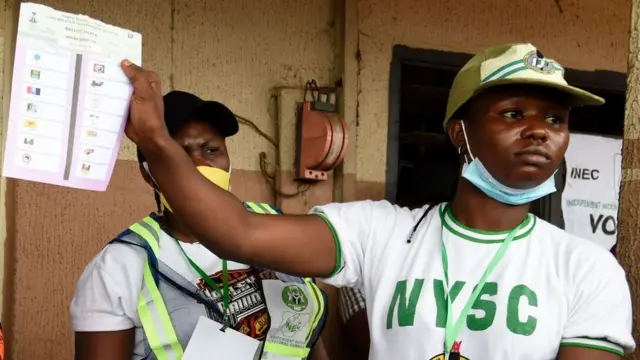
212	284
452	328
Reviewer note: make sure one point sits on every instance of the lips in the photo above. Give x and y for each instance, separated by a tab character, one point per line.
534	155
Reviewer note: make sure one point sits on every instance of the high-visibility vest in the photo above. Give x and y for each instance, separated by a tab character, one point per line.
162	338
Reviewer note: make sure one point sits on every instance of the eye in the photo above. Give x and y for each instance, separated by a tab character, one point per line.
554	120
513	114
210	150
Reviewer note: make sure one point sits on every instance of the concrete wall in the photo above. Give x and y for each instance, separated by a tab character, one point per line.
243	53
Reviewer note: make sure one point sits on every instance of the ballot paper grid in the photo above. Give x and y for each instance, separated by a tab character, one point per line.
67	125
68	106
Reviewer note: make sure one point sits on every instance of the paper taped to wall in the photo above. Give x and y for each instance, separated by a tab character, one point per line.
591	193
69	98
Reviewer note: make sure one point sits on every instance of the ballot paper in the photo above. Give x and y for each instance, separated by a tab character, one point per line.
69	98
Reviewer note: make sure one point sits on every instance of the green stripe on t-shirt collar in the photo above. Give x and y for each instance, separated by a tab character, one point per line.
483	236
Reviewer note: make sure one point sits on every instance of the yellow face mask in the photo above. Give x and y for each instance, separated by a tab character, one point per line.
215	175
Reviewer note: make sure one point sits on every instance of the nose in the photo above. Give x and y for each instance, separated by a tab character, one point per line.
198	160
535	129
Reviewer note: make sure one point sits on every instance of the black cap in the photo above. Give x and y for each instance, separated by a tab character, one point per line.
181	107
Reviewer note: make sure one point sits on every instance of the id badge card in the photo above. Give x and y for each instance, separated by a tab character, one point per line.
211	339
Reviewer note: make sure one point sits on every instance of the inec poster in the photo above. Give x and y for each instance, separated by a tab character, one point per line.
590	196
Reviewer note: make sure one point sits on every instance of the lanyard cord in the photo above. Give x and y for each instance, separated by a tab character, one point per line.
452	328
225	282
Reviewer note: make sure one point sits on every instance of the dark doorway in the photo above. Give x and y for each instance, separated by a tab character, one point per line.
422	165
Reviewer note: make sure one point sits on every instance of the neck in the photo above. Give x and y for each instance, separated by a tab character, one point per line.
474	209
172	225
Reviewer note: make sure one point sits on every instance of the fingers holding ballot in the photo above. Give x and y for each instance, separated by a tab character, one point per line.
146	126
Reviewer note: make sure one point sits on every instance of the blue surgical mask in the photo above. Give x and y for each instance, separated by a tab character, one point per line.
479	176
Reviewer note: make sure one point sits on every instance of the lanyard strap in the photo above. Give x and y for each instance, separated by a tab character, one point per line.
452	329
225	282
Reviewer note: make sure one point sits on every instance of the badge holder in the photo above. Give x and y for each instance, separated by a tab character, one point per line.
212	337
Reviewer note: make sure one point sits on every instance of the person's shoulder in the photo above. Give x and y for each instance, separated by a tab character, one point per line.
571	242
117	261
367	207
118	267
106	293
359	204
120	255
578	253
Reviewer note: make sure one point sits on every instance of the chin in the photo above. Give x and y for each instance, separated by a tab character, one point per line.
527	177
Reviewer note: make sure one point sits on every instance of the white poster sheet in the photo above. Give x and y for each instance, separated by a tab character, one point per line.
591	193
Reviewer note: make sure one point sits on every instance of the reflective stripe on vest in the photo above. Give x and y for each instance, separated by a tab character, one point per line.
155	318
262	208
152	310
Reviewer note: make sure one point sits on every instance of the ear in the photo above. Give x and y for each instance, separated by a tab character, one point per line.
456	135
145	176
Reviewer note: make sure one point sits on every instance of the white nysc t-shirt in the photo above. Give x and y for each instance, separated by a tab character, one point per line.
550	289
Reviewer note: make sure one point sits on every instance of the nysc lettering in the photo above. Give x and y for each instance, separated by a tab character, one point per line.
405	301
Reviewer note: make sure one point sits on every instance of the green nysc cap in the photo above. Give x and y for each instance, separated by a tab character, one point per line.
511	64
